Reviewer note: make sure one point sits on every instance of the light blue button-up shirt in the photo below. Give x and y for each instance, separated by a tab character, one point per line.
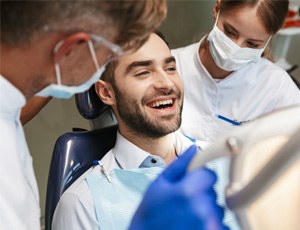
76	210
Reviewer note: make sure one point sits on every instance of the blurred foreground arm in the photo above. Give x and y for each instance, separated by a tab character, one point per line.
32	107
180	200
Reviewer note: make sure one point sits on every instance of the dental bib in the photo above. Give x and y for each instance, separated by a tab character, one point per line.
115	202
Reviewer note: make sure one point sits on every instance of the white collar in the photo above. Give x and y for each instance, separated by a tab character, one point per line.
11	99
129	155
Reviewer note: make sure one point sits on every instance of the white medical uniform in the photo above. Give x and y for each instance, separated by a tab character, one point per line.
19	198
243	96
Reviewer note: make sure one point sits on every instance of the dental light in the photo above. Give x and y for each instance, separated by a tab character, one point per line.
264	181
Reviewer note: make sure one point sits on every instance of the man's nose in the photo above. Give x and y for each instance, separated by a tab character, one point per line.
163	81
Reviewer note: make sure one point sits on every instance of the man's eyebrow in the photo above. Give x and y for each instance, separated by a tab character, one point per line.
146	63
170	59
137	64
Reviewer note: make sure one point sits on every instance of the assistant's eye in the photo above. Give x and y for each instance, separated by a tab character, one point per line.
230	33
252	45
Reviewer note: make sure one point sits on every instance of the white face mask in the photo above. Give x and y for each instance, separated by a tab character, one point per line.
228	55
62	91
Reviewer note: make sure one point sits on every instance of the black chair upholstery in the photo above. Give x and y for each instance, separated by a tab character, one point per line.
89	105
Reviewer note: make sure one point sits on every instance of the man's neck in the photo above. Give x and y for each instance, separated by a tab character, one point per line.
162	146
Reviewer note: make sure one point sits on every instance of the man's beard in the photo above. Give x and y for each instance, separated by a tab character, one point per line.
140	123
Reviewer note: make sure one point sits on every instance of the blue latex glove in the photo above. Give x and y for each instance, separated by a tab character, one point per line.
180	200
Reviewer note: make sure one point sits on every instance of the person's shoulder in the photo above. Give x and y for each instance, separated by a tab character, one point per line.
79	188
272	77
76	201
264	71
265	65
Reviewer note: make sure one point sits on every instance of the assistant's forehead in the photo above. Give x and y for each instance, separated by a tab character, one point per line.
238	18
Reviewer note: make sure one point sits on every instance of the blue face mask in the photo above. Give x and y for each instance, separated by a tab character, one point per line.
63	91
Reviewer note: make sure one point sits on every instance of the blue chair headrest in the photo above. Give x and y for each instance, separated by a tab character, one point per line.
89	104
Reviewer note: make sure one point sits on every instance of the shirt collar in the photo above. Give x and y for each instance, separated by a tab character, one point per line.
128	155
11	98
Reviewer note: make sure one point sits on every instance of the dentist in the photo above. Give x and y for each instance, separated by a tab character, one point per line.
54	48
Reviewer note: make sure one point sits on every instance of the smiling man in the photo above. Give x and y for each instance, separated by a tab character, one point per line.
145	93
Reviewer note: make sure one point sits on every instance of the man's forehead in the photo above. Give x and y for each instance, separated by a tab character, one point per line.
154	57
153	47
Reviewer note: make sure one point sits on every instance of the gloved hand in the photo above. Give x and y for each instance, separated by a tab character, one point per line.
180	200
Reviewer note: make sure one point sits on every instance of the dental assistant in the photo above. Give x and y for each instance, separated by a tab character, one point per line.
228	80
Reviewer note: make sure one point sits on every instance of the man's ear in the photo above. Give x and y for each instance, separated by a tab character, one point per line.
67	45
216	9
105	92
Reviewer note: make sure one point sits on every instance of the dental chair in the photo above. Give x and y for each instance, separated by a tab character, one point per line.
75	151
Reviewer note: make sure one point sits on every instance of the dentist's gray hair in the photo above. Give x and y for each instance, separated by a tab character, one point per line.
132	20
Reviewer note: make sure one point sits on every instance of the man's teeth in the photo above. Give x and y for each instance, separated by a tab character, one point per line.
161	103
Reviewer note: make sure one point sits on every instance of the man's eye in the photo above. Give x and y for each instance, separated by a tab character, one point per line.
142	74
171	69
